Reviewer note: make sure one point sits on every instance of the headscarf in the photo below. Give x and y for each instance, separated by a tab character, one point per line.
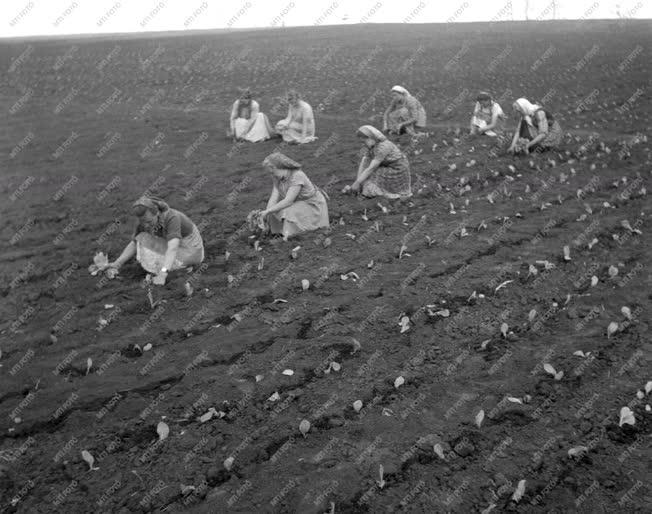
401	89
526	106
245	94
483	95
152	203
281	161
372	132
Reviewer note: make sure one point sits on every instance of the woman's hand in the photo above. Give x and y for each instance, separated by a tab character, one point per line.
264	214
112	270
159	279
526	149
511	149
356	187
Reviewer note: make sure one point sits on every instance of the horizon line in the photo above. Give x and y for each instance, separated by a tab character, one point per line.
179	32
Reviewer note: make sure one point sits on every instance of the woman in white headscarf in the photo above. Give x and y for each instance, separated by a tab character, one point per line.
299	125
487	116
295	205
537	128
384	170
404	113
247	122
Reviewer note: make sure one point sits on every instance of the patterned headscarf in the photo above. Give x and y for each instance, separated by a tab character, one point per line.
281	161
372	132
483	95
151	203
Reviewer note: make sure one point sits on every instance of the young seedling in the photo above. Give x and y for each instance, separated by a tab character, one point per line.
612	329
558	375
163	431
381	482
188	289
479	417
90	460
500	286
577	451
404	324
626	417
304	427
518	493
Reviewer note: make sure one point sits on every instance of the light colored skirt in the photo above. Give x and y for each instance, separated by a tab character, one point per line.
480	123
552	140
389	181
402	114
260	131
301	216
291	132
150	251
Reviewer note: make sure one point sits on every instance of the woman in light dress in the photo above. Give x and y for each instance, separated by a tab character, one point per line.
405	114
537	129
299	125
487	116
384	170
164	240
295	205
247	123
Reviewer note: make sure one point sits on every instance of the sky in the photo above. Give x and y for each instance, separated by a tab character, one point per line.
21	18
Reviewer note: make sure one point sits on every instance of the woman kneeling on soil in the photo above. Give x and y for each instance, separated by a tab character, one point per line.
384	170
247	122
404	114
164	240
487	116
295	204
299	125
537	129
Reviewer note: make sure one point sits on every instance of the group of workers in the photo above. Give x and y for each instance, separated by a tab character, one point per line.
165	239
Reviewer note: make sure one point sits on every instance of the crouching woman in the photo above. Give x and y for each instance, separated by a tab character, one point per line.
295	205
164	240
